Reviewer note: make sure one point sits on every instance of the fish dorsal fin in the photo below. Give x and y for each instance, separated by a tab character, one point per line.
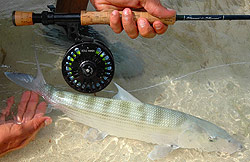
124	95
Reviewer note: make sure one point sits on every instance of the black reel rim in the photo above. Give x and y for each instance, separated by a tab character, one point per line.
88	67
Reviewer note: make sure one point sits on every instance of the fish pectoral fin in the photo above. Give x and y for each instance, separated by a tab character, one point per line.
93	135
161	151
124	95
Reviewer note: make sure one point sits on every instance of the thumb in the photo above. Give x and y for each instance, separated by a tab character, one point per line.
36	124
155	8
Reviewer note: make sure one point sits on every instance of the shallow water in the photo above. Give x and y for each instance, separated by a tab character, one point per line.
203	68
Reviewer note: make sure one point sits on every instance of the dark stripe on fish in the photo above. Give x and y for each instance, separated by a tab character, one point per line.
50	91
106	107
158	116
124	109
61	94
90	102
142	112
74	99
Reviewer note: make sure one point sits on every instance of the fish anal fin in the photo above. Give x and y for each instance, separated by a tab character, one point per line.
93	135
161	151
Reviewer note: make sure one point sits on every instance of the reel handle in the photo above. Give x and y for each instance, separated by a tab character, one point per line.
21	18
92	18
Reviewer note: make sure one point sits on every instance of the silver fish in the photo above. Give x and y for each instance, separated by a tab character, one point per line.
167	129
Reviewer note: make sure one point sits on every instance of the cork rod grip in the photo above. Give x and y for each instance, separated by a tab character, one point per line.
21	18
91	18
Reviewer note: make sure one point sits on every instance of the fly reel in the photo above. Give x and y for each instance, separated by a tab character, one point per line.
88	66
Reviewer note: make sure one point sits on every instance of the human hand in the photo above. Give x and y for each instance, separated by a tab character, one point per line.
17	133
131	27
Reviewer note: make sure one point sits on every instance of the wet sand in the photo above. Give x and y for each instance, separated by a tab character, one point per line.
203	68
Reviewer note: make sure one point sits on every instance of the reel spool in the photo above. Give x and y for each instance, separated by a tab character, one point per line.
88	66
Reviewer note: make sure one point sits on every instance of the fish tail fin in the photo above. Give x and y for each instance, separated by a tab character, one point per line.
28	81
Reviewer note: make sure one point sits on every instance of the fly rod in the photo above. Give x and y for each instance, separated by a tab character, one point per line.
88	65
21	18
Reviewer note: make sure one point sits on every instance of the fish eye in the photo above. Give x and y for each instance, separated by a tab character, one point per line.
212	139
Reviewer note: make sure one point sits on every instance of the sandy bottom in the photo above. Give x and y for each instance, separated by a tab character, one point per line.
200	68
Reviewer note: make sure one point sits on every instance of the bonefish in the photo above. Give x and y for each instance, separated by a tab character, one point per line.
167	129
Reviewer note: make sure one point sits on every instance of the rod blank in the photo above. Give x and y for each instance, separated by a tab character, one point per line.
211	17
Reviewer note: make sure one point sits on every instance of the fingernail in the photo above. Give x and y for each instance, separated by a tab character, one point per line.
126	13
170	9
47	122
158	26
114	13
142	23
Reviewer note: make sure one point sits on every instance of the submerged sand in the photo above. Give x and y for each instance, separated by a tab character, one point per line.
203	68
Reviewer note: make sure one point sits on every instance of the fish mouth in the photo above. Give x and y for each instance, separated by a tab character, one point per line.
234	147
241	147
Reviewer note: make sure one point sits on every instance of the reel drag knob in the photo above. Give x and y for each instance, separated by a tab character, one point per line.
88	67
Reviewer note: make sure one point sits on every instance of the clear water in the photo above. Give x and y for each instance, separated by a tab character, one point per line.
200	68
